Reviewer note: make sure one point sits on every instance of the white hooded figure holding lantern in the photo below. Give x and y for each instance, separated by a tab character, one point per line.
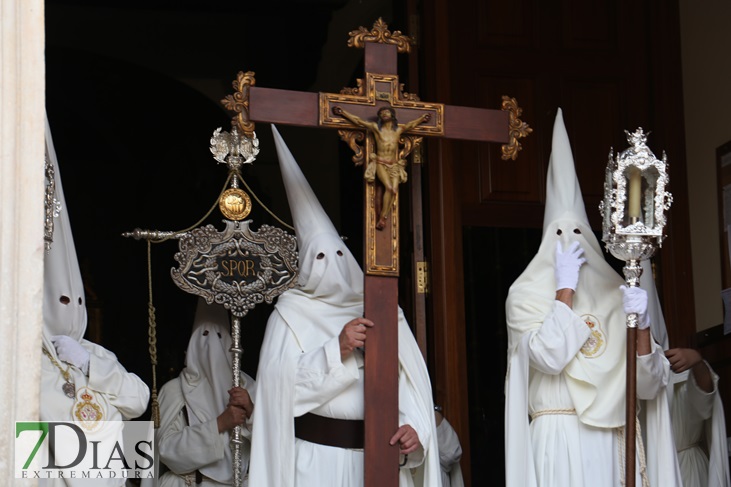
566	380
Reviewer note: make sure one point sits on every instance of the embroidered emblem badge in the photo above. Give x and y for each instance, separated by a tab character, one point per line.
87	410
597	341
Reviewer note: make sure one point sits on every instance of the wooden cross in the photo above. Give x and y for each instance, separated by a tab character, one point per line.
380	88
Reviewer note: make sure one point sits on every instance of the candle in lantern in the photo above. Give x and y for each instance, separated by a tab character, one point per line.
635	193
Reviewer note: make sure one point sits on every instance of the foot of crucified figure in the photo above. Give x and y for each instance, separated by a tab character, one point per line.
388	199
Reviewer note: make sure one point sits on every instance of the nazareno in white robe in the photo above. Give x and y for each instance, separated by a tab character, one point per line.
120	394
188	439
567	367
300	368
699	425
450	453
700	432
184	448
297	375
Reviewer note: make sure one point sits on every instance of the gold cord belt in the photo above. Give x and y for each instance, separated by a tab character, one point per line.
544	412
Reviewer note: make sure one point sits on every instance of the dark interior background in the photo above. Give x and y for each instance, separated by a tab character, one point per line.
133	97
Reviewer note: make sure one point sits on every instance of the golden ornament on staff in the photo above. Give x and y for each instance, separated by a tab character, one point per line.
235	204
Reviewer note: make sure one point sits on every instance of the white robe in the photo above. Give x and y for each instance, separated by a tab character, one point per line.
565	451
122	395
450	453
187	439
293	381
699	427
184	448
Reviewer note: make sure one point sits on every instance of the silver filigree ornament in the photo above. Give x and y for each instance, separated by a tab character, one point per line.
237	268
234	149
51	203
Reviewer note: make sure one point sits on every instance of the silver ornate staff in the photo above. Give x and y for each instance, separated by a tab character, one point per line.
234	150
237	267
633	214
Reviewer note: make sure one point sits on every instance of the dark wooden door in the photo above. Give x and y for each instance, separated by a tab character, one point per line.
611	66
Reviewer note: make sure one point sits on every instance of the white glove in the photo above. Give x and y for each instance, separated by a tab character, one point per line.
567	265
71	351
635	301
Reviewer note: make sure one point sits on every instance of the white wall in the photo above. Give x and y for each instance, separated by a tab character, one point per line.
22	100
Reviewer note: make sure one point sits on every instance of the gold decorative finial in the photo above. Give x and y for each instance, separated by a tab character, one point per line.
518	128
380	34
239	102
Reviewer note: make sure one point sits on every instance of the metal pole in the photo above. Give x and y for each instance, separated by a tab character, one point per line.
236	437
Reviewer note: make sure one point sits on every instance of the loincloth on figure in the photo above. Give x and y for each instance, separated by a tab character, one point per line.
395	170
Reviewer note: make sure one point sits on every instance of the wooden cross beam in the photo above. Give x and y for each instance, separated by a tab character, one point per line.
353	112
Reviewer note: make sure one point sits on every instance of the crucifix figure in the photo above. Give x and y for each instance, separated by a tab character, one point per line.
380	88
385	163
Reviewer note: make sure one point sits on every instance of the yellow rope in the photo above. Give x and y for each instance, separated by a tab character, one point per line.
152	340
544	412
622	444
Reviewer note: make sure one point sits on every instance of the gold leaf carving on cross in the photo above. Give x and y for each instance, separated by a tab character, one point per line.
518	129
407	145
239	102
354	139
379	33
357	91
406	96
380	88
388	142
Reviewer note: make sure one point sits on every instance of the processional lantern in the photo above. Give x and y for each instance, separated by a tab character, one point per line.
633	212
634	204
236	267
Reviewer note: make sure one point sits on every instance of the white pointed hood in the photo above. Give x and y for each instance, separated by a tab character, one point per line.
563	194
64	302
335	277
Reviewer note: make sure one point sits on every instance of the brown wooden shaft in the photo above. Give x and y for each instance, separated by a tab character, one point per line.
380	58
284	106
631	412
381	382
476	124
417	230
